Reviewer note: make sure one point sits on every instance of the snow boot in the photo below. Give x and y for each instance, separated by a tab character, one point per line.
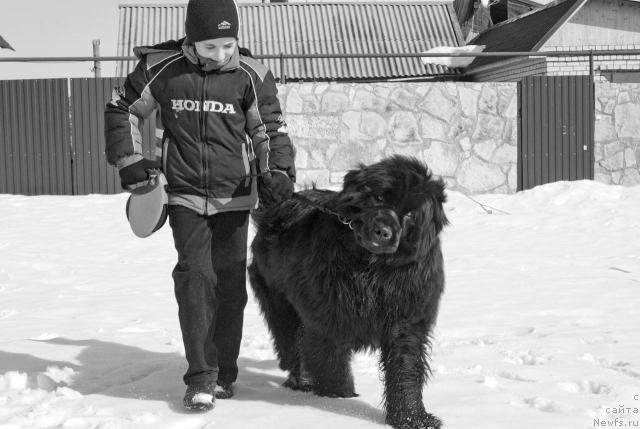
199	397
224	390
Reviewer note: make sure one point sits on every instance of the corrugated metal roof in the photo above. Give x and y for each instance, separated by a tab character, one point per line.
315	28
524	33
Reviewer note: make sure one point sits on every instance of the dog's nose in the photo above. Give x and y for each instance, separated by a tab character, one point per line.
383	233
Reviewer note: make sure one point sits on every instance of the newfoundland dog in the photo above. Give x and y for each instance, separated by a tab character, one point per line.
339	272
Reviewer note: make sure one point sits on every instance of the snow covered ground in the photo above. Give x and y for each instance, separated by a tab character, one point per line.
538	326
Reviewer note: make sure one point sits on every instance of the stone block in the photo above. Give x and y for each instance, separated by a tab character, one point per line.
609	105
432	128
382	90
311	106
612	149
478	176
631	177
465	144
511	109
460	126
469	101
365	100
314	127
302	157
624	97
602	177
294	103
616	177
317	158
404	99
613	162
334	102
484	149
321	88
438	105
488	101
604	128
505	154
422	89
488	127
452	89
443	158
306	89
512	179
630	157
628	120
372	125
403	128
347	156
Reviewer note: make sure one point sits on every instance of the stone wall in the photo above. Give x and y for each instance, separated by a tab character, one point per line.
466	132
617	134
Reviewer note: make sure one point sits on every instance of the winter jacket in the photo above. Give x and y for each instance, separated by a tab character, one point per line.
217	127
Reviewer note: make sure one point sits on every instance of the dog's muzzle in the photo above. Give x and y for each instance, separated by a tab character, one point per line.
378	230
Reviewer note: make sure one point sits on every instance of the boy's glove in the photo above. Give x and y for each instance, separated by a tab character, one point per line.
275	187
137	172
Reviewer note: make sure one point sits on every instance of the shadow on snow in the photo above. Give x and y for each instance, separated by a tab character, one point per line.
122	371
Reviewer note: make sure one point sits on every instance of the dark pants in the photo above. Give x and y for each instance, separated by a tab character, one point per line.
210	287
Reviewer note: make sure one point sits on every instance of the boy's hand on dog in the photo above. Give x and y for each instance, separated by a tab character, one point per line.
277	186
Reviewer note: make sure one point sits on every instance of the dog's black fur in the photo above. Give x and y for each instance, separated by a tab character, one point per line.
327	290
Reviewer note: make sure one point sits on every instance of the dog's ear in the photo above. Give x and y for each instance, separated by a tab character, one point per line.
355	176
435	190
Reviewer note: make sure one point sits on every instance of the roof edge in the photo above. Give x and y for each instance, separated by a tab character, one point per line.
385	2
562	21
499	64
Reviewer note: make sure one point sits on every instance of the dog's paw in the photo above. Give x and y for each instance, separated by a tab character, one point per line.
343	391
417	421
303	384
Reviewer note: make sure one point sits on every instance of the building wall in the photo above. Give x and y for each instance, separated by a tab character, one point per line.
599	25
610	22
579	65
617	134
466	132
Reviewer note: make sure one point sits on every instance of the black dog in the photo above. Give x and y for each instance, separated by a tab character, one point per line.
338	272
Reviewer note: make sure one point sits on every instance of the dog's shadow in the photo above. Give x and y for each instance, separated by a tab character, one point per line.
122	371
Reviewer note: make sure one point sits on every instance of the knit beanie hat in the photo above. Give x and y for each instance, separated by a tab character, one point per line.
211	19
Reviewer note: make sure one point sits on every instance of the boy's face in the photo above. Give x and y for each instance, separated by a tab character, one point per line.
218	50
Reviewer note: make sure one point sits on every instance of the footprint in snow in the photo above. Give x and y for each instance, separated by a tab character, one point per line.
538	403
619	366
515	377
585	386
524	358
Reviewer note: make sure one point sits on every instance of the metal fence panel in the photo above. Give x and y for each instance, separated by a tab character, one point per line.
34	131
556	129
92	174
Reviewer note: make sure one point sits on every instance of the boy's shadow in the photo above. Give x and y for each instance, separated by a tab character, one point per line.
122	371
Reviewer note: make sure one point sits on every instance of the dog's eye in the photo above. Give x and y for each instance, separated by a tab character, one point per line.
409	216
380	198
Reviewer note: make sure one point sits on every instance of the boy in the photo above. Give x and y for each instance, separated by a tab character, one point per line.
222	127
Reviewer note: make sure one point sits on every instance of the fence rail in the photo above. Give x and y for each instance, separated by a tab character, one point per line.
591	54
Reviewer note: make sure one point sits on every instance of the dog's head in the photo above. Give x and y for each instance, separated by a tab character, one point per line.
395	207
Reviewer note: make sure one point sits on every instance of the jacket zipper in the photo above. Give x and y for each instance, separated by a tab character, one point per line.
203	137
